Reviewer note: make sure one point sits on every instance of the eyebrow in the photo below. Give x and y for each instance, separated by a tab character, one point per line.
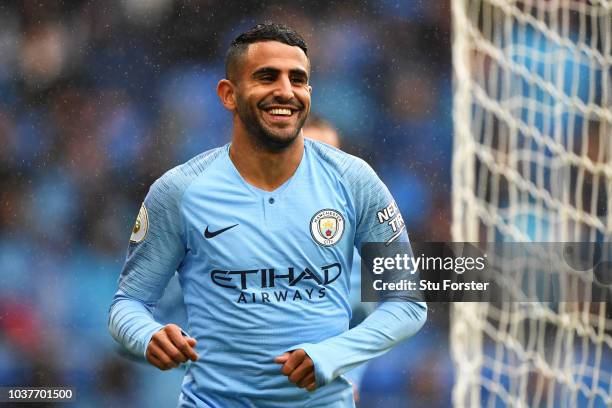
274	71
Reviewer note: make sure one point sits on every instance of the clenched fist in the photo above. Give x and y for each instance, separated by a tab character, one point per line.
168	348
298	366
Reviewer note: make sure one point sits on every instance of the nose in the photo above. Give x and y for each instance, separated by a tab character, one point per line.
284	90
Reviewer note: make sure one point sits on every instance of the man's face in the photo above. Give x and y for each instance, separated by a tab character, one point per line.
272	92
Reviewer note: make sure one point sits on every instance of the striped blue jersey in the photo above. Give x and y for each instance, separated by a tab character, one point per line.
262	273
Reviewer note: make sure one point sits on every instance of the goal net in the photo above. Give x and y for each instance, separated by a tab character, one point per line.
532	162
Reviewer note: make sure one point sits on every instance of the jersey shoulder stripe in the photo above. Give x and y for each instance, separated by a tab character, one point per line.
351	168
370	195
182	175
167	191
162	249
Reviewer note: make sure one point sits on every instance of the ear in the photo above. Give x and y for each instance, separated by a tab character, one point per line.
310	89
225	90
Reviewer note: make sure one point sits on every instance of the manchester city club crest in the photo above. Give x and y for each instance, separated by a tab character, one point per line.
327	227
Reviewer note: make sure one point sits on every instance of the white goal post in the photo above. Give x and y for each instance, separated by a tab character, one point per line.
532	162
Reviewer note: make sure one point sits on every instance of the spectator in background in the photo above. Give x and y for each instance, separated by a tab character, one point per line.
317	128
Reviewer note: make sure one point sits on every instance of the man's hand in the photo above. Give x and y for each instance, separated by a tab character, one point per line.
299	368
168	348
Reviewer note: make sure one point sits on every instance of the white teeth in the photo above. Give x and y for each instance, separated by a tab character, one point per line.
280	111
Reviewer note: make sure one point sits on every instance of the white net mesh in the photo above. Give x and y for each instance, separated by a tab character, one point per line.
532	163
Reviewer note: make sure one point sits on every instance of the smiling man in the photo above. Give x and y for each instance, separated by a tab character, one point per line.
261	232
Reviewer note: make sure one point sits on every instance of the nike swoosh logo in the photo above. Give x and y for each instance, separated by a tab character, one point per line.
212	234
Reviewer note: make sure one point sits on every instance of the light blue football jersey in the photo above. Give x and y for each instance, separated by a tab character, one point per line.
262	273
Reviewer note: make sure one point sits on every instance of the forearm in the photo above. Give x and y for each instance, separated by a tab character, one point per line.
388	325
131	323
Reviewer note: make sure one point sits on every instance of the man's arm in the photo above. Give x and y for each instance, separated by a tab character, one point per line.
156	250
391	323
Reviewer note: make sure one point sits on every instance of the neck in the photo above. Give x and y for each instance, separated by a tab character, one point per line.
264	168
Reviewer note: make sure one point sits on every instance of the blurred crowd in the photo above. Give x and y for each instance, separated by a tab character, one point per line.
99	98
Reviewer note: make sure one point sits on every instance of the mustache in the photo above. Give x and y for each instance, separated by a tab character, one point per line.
293	103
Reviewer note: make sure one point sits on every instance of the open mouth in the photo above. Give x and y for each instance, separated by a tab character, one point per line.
280	115
280	111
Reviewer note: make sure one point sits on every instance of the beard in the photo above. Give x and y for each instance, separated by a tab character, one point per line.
266	137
